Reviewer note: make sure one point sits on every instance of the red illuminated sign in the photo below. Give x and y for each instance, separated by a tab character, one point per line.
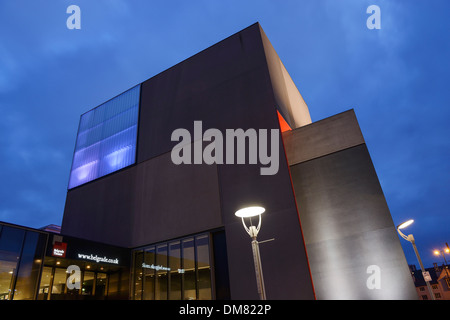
59	249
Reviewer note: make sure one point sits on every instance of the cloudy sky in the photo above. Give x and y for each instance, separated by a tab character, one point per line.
396	79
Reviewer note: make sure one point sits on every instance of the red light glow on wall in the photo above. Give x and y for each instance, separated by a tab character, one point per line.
284	126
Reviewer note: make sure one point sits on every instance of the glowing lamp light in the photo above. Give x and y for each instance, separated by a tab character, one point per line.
249	212
411	239
405	224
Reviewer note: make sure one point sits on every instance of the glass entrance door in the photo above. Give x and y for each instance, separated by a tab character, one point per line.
94	282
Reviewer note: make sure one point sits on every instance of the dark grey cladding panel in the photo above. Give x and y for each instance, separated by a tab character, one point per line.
154	201
174	200
100	210
347	227
284	261
322	137
222	86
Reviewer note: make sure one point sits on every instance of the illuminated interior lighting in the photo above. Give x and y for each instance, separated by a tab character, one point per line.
117	158
106	138
83	171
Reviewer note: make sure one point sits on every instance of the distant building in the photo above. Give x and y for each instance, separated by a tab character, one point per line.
51	228
440	283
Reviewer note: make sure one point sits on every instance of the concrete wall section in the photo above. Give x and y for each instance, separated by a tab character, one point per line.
288	99
347	226
323	137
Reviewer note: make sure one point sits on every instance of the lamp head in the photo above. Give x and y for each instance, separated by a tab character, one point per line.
405	224
249	212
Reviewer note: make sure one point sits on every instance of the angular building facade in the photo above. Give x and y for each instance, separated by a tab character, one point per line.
331	230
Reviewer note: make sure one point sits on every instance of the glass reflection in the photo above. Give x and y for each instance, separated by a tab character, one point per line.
59	281
11	240
101	284
138	260
161	268
149	274
204	267
44	288
30	266
189	292
176	270
88	283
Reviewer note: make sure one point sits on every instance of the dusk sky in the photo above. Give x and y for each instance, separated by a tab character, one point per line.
396	79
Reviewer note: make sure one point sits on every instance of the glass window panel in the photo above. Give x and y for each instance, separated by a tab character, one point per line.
175	270
106	140
204	267
149	273
101	282
44	287
189	291
180	269
6	278
59	281
11	240
138	260
30	266
113	286
161	269
87	287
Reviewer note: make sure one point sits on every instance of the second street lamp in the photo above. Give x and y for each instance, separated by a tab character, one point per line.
410	238
441	252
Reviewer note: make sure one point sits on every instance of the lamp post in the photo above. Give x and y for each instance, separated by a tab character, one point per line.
253	231
410	238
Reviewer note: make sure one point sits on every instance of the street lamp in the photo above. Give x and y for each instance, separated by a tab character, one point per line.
253	231
441	252
410	238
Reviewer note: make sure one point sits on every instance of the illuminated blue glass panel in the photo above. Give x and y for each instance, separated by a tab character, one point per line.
106	140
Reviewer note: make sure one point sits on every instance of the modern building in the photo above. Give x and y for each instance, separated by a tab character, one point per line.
34	266
160	170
